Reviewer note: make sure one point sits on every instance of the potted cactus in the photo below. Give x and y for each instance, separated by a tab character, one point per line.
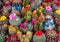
14	20
39	37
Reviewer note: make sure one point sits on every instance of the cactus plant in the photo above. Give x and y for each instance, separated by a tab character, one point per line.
7	6
35	3
39	37
23	28
30	26
29	35
48	10
28	15
19	34
15	20
2	37
12	29
51	35
56	5
26	2
3	19
49	24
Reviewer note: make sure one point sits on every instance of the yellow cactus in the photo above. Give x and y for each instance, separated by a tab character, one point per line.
58	12
3	18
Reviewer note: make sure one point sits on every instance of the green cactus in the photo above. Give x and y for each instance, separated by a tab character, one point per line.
15	22
40	26
26	2
2	37
28	15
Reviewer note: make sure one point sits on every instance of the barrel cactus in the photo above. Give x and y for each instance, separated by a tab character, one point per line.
35	3
14	20
7	6
51	35
12	29
49	24
23	28
39	37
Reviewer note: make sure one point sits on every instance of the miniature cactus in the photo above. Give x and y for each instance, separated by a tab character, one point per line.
26	23
16	12
5	12
56	4
23	28
13	38
30	26
24	38
3	20
51	35
35	3
25	2
40	26
29	35
36	26
49	24
7	6
19	34
28	15
39	37
48	10
12	30
34	15
39	10
14	20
